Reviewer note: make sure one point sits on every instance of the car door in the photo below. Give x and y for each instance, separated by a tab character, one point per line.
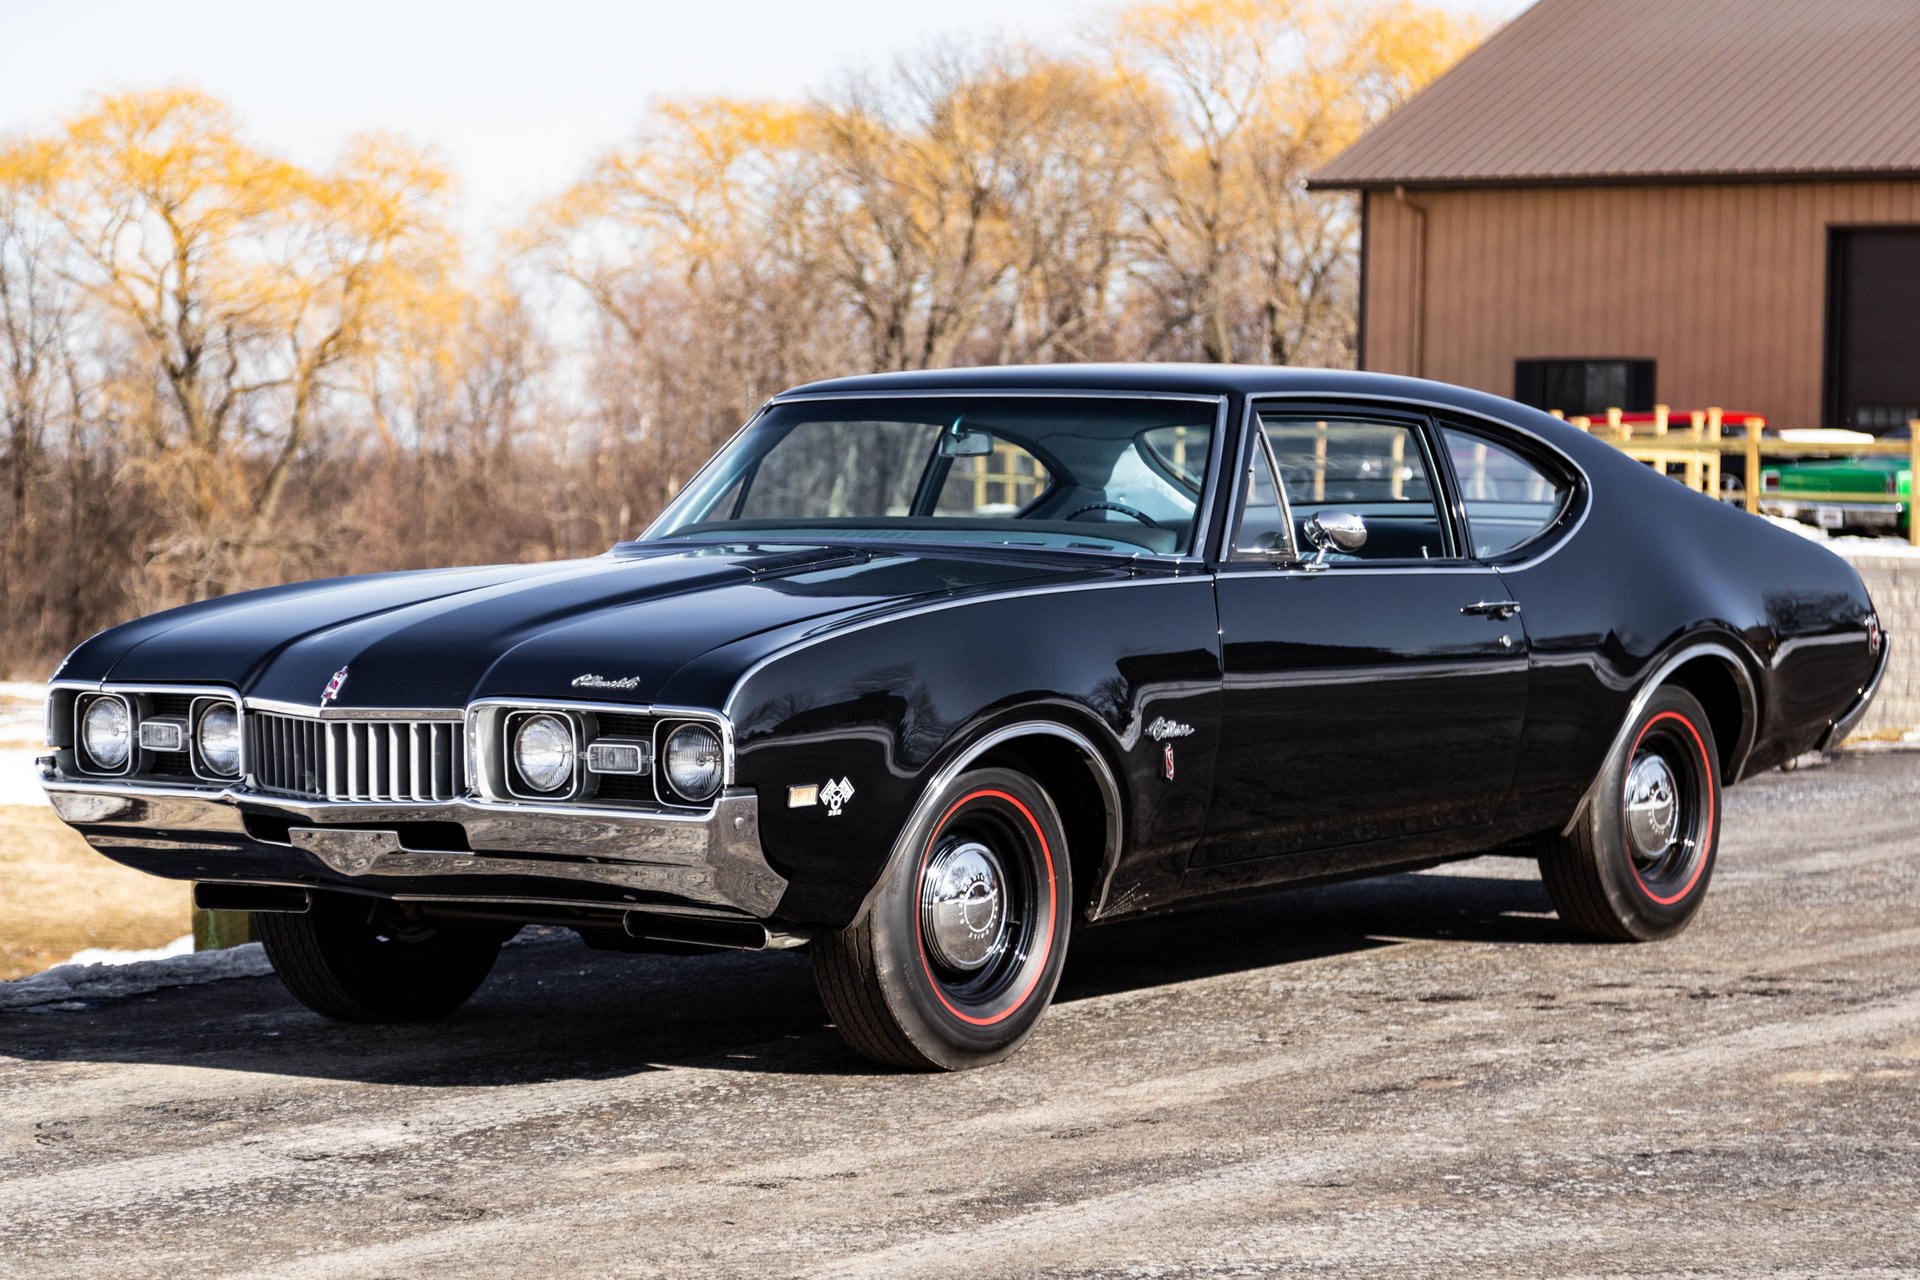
1371	695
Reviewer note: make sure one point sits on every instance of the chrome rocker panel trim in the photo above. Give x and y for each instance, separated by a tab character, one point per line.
714	859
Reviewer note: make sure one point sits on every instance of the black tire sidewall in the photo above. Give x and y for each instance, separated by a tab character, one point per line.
1639	908
940	1032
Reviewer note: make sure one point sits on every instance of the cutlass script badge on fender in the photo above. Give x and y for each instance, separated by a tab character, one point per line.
1162	729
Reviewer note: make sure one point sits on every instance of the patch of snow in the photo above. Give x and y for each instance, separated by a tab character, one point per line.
1850	545
71	985
180	946
19	779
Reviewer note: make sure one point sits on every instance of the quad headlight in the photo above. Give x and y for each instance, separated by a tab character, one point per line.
106	731
695	762
543	752
218	738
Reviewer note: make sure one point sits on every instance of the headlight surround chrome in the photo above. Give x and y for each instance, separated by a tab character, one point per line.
217	737
694	762
544	752
106	733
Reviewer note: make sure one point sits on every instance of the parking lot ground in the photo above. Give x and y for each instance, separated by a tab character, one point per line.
1420	1076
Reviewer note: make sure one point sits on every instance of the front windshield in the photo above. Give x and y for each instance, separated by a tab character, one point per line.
1096	474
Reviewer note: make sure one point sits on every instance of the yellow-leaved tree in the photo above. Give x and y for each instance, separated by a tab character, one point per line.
249	286
1238	101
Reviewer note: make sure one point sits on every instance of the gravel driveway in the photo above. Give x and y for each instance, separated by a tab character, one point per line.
1420	1076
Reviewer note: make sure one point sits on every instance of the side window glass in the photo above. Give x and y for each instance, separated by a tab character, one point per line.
1263	532
1001	483
1376	470
1509	500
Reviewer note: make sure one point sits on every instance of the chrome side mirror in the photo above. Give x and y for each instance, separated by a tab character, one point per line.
1332	531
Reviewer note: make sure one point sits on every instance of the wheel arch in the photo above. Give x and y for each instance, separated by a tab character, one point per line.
1714	671
1068	763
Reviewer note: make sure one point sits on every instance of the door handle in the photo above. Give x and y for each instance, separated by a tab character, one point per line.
1501	609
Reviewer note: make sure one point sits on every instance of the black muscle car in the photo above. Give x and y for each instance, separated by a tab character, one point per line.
925	671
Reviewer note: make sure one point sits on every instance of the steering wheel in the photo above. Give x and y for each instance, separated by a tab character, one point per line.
1121	507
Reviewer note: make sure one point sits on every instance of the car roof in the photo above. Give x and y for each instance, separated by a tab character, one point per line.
1171	379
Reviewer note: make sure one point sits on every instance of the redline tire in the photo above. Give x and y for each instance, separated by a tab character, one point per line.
1636	863
349	959
958	953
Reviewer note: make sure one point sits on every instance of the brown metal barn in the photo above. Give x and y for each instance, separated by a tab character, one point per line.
1703	202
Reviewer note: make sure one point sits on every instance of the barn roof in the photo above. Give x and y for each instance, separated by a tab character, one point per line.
1584	91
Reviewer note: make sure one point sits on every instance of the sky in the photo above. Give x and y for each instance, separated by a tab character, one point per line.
517	97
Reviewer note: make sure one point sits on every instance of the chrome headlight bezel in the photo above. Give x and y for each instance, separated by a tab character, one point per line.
709	763
521	782
205	763
85	754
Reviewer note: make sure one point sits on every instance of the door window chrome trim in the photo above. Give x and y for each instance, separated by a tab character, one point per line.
1383	403
1203	507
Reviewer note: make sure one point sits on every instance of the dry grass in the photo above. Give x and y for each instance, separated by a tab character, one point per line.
58	896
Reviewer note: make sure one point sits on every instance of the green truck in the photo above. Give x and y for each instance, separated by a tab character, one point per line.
1841	495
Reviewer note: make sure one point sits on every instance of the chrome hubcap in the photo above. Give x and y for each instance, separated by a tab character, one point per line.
963	911
1653	808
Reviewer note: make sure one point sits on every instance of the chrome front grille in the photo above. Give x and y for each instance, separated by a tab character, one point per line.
346	760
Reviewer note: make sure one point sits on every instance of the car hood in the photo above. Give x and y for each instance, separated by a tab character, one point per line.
612	628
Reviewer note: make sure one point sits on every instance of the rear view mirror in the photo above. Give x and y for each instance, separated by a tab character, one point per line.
959	442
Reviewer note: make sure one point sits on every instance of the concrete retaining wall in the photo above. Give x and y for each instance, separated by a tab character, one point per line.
1894	584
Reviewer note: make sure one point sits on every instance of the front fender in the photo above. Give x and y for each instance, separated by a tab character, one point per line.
880	707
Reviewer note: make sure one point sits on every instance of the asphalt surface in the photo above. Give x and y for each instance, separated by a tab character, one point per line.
1417	1076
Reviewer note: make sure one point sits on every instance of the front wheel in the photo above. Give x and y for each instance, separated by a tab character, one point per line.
955	958
1635	865
359	960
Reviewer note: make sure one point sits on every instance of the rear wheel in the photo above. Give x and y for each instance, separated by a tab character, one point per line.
359	960
960	950
1636	863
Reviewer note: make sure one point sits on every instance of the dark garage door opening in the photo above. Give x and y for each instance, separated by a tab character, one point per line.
1873	327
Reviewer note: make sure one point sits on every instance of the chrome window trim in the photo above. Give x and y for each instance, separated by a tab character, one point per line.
1462	564
1203	506
1442	512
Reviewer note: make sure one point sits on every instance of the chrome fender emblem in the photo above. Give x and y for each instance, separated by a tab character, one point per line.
836	794
601	682
1162	729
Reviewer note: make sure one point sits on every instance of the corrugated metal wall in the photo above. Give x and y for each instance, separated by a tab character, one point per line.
1724	285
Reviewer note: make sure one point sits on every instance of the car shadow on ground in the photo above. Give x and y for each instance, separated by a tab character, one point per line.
556	1010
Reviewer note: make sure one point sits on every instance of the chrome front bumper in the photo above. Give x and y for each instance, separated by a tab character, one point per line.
612	858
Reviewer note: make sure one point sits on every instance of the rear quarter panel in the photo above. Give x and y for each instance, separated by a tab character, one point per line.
1653	568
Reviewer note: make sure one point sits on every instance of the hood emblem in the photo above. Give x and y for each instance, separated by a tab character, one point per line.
332	691
1162	729
836	794
601	682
